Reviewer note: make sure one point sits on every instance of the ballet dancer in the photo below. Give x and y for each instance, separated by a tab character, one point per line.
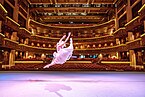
63	53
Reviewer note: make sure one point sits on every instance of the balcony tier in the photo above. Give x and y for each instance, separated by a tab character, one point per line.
142	13
12	24
133	24
24	33
121	32
3	12
134	44
143	39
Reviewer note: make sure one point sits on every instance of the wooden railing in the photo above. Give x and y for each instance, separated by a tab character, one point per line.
12	24
142	13
134	44
24	47
143	39
101	39
121	32
72	26
3	12
117	48
23	32
8	43
131	25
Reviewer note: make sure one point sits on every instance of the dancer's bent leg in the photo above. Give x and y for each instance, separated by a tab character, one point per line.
52	63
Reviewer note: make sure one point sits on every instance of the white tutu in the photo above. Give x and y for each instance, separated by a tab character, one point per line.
63	55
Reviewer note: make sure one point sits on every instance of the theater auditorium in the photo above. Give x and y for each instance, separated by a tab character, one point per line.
107	56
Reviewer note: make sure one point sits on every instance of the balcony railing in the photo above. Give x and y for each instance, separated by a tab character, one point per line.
142	13
12	24
121	32
134	44
71	26
8	43
24	33
24	47
131	25
3	12
102	39
117	48
143	39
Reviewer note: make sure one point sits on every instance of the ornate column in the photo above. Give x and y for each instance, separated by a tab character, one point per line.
28	20
132	58
139	59
26	54
129	11
0	26
12	53
12	58
2	2
116	20
16	11
118	55
143	1
132	55
144	26
1	59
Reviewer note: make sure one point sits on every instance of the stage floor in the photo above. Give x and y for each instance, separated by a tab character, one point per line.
72	84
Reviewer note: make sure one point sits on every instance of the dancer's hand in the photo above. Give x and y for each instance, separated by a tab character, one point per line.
69	33
64	36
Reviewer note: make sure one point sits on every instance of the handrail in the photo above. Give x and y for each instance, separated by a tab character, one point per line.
11	40
133	40
141	8
104	47
25	29
143	35
2	34
37	47
12	20
95	25
73	38
1	6
119	29
131	20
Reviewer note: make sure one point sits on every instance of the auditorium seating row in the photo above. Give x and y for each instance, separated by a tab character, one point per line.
75	67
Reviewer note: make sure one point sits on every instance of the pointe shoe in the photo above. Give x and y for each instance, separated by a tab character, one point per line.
47	66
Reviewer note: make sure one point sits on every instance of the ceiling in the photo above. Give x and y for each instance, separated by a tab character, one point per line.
71	1
72	11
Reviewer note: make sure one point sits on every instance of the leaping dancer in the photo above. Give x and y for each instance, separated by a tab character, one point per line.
63	53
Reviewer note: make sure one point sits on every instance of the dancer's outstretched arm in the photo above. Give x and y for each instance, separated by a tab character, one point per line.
62	38
67	37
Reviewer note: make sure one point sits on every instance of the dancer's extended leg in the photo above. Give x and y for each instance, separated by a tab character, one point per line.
54	61
47	66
